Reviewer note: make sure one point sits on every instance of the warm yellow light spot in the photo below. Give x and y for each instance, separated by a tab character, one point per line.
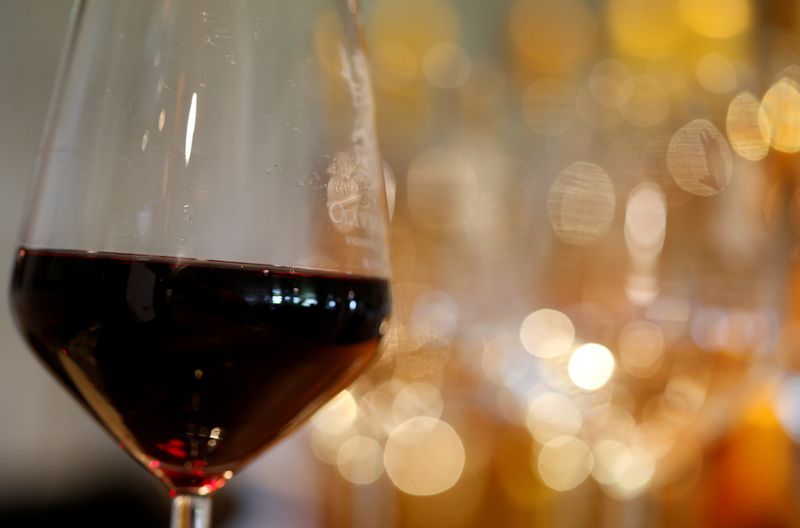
581	203
590	366
337	415
551	415
547	333
747	127
552	37
420	23
716	18
648	29
643	101
424	456
417	399
641	348
716	74
394	65
227	475
781	107
360	460
699	158
549	106
447	65
564	463
403	32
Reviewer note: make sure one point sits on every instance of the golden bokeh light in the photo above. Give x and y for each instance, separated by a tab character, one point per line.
645	28
337	415
598	101
716	73
552	37
699	158
643	101
547	333
551	415
633	474
645	221
360	460
591	366
611	460
417	399
684	394
641	348
424	456
325	446
549	106
417	24
581	203
716	18
606	81
447	65
394	65
377	405
564	463
747	127
781	107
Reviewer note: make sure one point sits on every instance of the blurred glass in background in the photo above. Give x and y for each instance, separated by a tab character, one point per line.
594	239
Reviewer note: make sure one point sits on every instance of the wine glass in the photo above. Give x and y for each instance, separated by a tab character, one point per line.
203	261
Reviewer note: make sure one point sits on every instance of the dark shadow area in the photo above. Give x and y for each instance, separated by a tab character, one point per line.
115	505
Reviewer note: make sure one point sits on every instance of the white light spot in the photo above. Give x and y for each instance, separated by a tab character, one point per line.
190	128
591	366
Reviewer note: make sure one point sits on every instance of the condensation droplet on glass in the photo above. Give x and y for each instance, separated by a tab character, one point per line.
161	118
145	138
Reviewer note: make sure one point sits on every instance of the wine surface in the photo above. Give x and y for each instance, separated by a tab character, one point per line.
195	366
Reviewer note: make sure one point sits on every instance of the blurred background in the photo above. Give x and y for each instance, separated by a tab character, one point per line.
594	236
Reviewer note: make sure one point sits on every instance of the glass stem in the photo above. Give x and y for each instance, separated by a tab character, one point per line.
191	511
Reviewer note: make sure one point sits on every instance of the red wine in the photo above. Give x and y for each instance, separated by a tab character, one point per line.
195	366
